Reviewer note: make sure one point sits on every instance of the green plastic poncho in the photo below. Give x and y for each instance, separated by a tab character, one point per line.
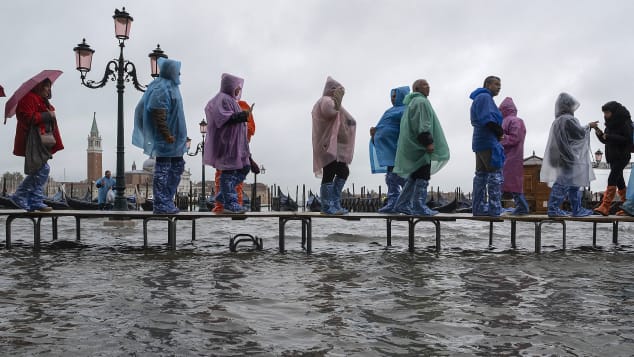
411	155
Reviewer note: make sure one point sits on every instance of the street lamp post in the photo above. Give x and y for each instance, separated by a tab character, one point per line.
202	201
122	71
254	190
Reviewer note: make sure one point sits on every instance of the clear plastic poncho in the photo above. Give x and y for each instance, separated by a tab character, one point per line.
567	156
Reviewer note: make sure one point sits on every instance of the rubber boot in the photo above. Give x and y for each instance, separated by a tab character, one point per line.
336	194
419	198
30	194
404	203
606	203
327	204
228	196
557	195
163	202
494	186
394	183
521	206
479	206
217	204
574	195
173	180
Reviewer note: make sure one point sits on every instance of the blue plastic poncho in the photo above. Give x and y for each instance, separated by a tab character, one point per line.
162	93
105	184
483	111
383	146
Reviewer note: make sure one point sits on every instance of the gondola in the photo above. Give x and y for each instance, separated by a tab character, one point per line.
283	202
313	203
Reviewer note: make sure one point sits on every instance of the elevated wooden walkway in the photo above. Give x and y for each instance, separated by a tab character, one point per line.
306	219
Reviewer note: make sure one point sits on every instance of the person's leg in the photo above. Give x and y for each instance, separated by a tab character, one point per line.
36	198
341	176
326	189
479	206
228	196
574	195
557	195
160	185
521	206
217	204
419	199
174	178
494	188
393	182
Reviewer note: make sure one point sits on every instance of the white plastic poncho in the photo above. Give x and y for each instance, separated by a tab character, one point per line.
567	156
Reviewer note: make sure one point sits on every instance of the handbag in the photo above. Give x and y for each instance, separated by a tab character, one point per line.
48	140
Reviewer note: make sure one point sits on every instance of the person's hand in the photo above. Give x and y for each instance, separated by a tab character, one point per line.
170	139
500	138
430	148
337	97
593	124
372	132
52	113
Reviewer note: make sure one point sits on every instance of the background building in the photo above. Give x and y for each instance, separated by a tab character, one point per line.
94	153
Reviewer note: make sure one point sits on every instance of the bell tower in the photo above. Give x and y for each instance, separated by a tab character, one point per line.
94	152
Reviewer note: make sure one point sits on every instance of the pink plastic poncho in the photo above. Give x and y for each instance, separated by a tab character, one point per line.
333	131
513	142
226	146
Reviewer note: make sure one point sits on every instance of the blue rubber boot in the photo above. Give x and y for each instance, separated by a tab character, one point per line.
336	194
404	203
394	183
419	208
521	206
228	195
574	195
327	202
163	202
173	179
479	206
494	186
557	195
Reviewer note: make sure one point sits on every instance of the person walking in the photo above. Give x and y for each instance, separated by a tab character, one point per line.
383	140
513	143
617	138
333	133
226	145
37	138
160	130
486	120
566	166
422	151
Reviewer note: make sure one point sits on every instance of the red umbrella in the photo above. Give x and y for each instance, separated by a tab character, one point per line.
12	103
2	92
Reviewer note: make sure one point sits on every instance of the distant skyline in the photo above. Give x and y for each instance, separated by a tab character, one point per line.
285	50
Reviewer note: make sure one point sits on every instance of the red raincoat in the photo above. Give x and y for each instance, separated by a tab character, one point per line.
28	113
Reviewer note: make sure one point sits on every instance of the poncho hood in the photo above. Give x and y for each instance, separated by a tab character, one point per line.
331	85
479	91
229	83
507	107
401	92
566	104
170	70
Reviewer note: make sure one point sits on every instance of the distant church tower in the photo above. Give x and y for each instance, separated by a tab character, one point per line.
94	152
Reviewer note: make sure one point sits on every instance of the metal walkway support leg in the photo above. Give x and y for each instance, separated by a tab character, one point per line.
282	223
410	236
594	234
78	228
54	227
37	232
193	230
389	232
490	233
513	234
7	231
171	233
538	237
309	235
145	233
615	232
412	222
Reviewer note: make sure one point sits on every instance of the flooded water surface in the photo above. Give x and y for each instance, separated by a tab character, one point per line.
107	296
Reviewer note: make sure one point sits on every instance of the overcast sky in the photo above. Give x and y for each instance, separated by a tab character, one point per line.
286	49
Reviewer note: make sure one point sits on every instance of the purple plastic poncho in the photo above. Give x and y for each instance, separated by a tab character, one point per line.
226	146
513	142
333	131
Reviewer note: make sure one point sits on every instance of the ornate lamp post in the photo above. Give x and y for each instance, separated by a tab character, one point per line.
122	71
202	201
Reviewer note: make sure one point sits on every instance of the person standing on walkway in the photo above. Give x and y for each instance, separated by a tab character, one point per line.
35	117
422	151
334	131
384	138
513	143
486	120
218	208
226	145
160	130
104	185
567	166
617	138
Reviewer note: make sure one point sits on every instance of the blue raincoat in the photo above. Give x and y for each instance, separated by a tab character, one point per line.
483	111
383	147
162	93
105	184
